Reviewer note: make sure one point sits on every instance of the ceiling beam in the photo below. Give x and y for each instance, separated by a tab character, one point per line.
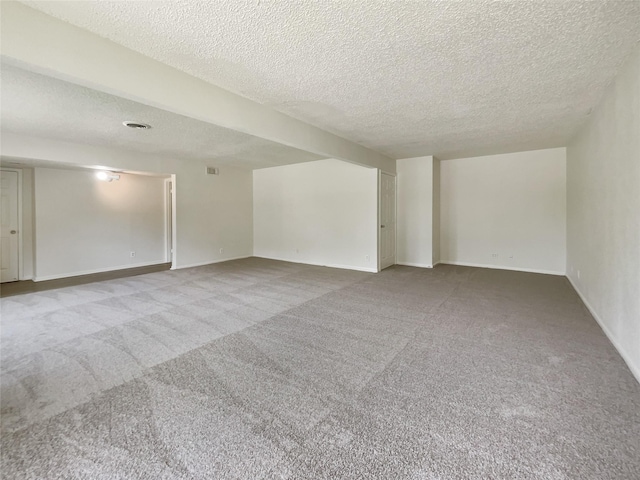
41	43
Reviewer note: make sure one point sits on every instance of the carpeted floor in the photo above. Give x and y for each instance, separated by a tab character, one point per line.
259	369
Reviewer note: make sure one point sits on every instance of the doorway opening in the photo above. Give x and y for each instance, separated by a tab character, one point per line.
169	211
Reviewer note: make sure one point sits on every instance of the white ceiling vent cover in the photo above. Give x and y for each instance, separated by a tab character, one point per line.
137	125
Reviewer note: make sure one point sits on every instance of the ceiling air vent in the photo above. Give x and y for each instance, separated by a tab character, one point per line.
136	125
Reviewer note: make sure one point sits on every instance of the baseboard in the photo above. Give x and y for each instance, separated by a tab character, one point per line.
343	267
210	262
635	370
349	267
97	270
500	267
411	264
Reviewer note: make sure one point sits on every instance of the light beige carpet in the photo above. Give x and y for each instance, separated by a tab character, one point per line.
260	369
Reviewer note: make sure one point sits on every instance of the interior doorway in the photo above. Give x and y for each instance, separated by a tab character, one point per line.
387	220
169	210
9	225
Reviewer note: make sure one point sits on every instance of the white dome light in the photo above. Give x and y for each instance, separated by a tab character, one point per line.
106	176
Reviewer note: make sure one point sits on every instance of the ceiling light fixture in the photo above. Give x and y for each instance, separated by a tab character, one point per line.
106	176
136	125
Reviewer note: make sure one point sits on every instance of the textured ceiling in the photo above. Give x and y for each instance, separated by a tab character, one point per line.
41	106
405	78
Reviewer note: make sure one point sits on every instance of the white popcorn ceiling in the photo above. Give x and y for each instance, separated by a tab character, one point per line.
405	78
42	106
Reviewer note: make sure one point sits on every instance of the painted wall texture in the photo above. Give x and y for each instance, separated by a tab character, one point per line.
603	206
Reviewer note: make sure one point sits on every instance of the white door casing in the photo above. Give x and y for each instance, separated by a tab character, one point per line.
168	219
387	221
9	223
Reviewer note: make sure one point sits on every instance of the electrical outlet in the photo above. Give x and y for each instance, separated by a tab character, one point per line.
366	257
494	255
132	254
222	250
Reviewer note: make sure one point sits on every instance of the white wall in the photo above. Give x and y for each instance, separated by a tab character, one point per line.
84	225
322	213
415	211
512	205
212	211
603	203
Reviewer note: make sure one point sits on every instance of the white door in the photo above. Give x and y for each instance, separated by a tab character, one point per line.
387	209
8	226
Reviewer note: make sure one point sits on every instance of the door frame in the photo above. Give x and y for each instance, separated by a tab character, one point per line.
395	224
20	237
169	220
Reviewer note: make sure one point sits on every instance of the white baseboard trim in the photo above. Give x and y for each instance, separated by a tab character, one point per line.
349	267
96	270
210	262
343	267
635	369
500	267
411	264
